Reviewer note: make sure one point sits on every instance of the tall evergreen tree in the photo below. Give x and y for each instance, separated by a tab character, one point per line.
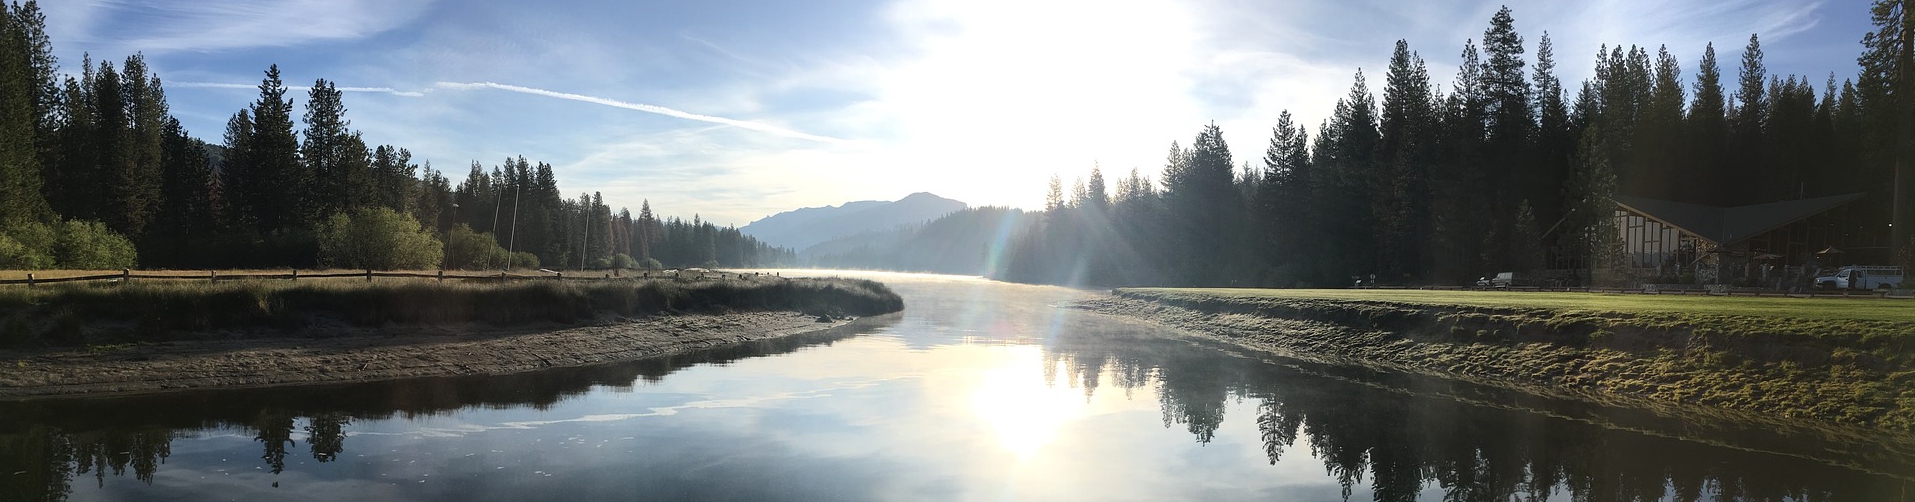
1407	144
1746	125
238	174
335	156
1887	86
25	91
134	182
1350	177
1708	135
1660	150
278	181
1555	136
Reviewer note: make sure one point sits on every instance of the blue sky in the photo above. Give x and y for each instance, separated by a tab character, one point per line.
735	110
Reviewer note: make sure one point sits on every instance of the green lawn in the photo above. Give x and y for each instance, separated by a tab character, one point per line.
1798	308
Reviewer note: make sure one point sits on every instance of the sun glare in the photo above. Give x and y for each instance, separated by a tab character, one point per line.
1021	406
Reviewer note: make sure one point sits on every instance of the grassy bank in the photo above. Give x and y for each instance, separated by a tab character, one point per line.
76	314
1845	362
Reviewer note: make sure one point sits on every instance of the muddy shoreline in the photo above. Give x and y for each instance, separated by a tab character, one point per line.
344	354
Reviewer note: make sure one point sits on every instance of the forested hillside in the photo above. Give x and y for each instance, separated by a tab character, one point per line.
95	173
1505	168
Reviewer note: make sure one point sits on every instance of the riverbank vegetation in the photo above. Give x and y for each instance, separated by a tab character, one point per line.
1798	359
156	311
95	172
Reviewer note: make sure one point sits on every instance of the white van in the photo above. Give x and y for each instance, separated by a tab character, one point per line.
1861	277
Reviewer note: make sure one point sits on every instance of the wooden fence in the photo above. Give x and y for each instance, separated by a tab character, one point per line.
128	275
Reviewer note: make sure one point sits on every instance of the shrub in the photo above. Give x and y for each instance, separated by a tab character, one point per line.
65	244
15	254
466	249
651	264
90	245
625	261
377	238
524	259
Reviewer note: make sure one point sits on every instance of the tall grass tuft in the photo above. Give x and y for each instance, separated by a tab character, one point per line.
167	310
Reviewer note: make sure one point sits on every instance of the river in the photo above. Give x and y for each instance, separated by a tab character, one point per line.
979	390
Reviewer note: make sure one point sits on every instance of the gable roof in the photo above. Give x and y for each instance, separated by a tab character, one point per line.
1728	225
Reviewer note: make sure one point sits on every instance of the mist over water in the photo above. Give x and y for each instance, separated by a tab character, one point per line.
977	391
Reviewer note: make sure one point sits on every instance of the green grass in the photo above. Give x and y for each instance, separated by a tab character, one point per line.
1901	311
94	313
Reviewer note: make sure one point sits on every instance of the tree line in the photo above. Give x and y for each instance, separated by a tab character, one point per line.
1507	169
95	172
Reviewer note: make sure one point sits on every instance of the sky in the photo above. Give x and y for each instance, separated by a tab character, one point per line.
734	110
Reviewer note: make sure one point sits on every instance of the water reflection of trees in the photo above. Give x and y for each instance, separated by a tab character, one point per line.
51	442
1400	435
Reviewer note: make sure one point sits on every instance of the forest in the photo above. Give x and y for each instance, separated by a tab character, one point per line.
96	174
1505	169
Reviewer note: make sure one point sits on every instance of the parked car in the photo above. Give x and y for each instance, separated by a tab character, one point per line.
1861	277
1500	281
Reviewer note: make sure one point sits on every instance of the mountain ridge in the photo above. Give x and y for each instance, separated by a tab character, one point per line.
802	228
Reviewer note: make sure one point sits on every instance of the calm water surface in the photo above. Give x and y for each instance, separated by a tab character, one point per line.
978	391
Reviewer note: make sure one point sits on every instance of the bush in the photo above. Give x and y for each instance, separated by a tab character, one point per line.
66	244
624	261
377	238
89	245
466	249
651	264
523	259
27	251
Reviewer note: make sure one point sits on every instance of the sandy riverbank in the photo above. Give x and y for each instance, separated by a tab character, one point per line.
348	354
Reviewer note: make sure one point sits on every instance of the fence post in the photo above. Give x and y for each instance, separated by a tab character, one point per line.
212	276
558	275
29	279
369	275
442	275
126	275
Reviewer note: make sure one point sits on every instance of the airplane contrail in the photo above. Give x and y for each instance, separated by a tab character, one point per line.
660	110
222	85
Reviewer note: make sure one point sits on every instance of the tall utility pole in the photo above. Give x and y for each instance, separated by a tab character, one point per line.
585	242
512	244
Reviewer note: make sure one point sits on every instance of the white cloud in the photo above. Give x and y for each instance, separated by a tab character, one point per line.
156	26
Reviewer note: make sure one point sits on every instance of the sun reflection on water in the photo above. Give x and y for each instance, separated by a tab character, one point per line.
1022	407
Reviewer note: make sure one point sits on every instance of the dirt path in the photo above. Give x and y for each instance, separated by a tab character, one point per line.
355	355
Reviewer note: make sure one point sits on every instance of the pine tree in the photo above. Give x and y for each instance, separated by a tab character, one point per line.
239	174
24	88
1555	138
1887	87
1746	127
1660	152
134	182
1708	135
336	157
1099	195
280	185
1407	145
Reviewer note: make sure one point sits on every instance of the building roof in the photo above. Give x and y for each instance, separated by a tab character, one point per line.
1728	225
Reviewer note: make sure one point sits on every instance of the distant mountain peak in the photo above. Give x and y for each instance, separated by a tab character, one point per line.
802	228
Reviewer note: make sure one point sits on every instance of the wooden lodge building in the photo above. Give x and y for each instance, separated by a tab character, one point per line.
1763	245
